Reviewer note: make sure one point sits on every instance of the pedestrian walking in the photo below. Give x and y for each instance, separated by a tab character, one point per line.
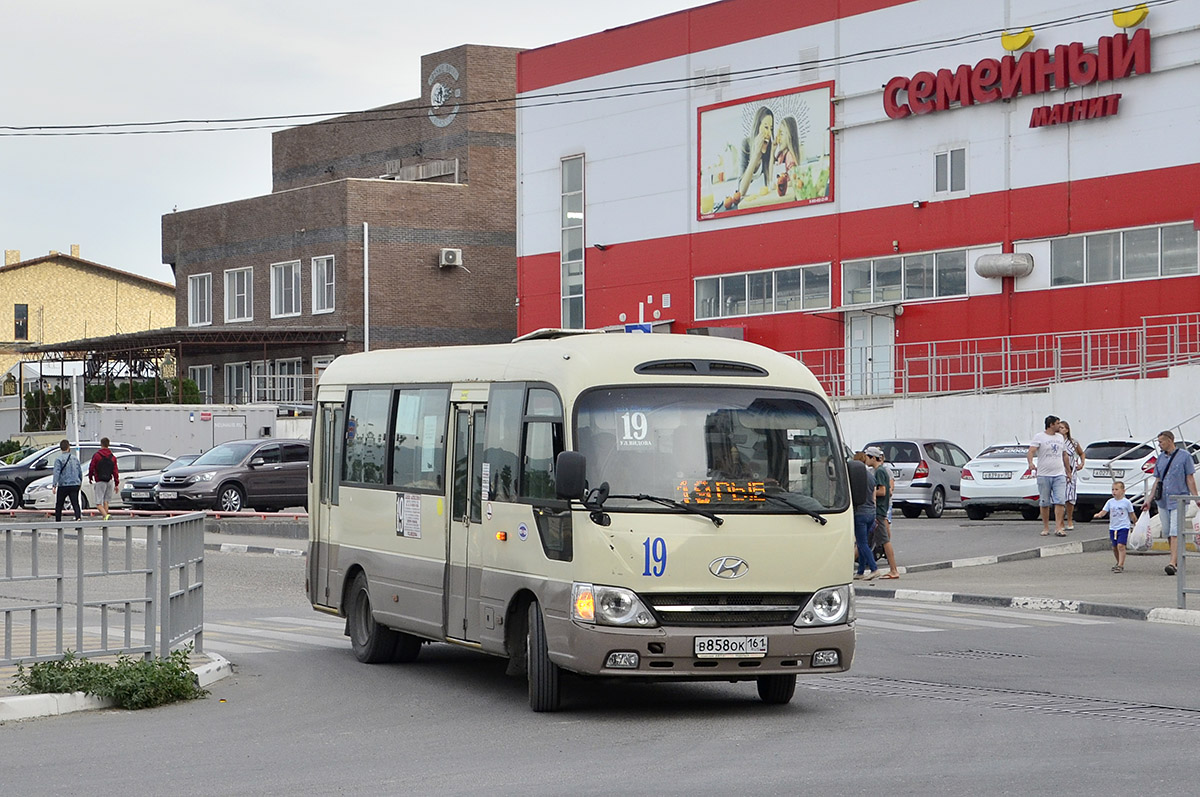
1075	452
1052	462
67	479
102	471
1173	475
1120	513
864	519
884	486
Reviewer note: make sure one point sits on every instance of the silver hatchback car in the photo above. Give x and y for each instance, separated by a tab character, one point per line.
927	473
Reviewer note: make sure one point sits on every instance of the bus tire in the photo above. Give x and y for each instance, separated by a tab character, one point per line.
372	643
776	690
543	674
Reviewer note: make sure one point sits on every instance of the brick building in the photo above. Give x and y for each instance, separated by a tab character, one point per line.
410	205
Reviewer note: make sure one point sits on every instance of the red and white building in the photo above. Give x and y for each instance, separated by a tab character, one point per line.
910	195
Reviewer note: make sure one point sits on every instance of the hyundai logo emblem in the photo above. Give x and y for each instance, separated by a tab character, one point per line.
728	567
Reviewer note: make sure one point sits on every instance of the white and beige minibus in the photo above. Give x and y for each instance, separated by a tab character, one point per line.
662	507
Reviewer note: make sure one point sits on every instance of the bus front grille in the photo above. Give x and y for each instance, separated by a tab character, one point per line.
726	609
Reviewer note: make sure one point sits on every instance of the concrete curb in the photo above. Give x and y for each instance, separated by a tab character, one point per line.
232	547
24	707
1058	549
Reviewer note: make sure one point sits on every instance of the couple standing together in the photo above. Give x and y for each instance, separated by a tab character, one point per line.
1059	459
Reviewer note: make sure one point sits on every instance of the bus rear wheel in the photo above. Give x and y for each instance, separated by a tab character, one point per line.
776	689
543	674
372	643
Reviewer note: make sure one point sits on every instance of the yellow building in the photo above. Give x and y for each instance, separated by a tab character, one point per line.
60	297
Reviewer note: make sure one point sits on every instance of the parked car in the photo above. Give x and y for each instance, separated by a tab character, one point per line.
16	477
926	472
40	495
1000	479
266	475
1129	461
138	492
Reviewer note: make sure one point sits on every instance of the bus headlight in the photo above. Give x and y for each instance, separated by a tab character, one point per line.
828	606
609	606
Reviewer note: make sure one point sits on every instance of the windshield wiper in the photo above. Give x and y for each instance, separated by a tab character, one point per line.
673	504
817	516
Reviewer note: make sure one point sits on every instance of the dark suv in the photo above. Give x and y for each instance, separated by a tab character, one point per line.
267	475
16	477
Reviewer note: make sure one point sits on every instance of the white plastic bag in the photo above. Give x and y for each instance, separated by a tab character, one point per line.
1139	535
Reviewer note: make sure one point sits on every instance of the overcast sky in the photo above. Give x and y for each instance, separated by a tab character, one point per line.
74	62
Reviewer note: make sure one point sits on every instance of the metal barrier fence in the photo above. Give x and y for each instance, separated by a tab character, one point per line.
1016	362
1180	518
123	568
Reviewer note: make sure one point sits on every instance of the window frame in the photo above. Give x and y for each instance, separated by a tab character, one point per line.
230	295
1083	241
327	288
20	321
962	171
293	268
571	284
197	297
933	258
204	384
772	289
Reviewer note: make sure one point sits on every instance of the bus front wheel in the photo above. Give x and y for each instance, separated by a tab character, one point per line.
372	642
776	689
543	674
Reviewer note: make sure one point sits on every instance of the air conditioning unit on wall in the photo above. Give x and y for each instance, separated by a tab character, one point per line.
450	258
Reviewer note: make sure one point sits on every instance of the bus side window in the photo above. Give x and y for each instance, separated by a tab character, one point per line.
543	441
506	403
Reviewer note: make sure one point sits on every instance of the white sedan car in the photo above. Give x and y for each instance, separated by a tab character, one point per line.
999	479
130	464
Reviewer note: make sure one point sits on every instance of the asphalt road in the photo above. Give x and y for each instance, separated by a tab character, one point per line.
941	700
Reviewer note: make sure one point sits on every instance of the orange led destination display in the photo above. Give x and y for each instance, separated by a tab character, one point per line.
710	491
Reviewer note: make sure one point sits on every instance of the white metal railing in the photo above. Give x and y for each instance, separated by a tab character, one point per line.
1008	362
144	575
1181	524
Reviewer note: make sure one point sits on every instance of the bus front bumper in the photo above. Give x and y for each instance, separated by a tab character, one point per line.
671	652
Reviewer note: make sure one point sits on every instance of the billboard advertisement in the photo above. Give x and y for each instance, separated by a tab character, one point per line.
766	152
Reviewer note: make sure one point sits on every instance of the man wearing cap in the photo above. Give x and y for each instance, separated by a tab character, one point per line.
883	508
1052	464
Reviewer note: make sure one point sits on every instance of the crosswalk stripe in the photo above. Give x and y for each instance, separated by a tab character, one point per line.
942	618
332	625
864	622
266	633
1034	617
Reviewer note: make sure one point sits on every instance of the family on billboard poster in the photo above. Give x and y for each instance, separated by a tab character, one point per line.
766	152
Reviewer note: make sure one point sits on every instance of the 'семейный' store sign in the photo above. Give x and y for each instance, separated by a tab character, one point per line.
1032	73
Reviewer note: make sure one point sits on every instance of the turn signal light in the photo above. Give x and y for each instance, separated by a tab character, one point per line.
585	605
502	535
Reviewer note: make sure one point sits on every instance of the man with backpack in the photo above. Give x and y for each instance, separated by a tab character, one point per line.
103	473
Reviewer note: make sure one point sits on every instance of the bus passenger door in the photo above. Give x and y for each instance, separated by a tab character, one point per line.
465	501
326	456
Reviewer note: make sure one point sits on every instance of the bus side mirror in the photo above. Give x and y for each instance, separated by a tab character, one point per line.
570	472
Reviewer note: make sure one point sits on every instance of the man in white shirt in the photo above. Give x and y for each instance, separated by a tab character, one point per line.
1052	463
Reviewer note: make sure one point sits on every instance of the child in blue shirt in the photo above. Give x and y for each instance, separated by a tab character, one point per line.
1119	510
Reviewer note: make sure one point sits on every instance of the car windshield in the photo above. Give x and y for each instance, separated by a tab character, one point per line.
1117	450
29	460
186	459
1005	452
225	454
895	451
713	446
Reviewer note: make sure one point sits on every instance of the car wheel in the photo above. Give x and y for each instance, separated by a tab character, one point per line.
83	502
8	497
976	512
937	505
911	512
776	689
372	643
1030	512
231	499
543	674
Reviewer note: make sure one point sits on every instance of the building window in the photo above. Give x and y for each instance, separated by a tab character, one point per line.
288	374
285	289
322	291
237	382
1144	253
950	170
261	388
199	300
202	375
20	322
572	243
239	295
761	292
891	279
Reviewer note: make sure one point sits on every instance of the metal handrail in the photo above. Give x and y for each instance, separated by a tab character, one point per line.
1180	517
1008	362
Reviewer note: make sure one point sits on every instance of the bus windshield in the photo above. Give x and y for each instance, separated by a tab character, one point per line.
724	447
